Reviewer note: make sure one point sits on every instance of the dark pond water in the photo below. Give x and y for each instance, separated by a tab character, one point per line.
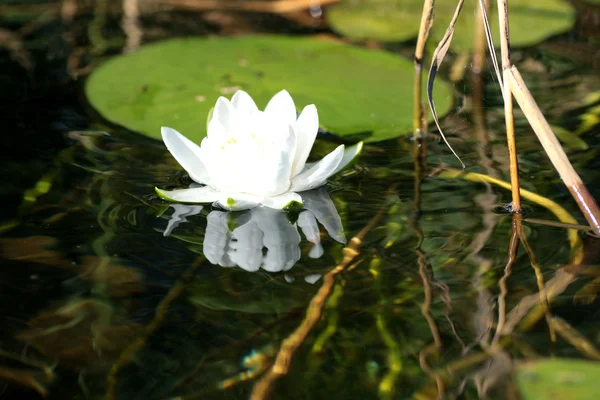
97	301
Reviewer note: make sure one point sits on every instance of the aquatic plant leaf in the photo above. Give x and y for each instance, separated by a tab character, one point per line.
382	20
559	379
175	83
531	21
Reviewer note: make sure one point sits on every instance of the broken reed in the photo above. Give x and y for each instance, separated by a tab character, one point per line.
511	84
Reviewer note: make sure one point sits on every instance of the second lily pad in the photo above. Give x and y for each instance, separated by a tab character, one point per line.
359	93
531	21
567	379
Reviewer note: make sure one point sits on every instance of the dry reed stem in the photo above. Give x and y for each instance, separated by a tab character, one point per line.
266	6
479	61
553	149
539	279
131	25
426	21
502	283
437	59
284	357
419	160
424	364
585	228
560	212
509	118
483	26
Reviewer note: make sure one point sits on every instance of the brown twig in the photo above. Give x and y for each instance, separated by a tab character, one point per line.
502	283
284	357
509	118
539	278
426	21
554	150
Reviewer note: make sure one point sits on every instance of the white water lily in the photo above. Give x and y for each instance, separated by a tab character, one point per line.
252	157
264	238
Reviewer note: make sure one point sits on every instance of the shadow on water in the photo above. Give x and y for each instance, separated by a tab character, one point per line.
98	301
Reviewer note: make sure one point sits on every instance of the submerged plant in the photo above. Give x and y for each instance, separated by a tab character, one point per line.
252	157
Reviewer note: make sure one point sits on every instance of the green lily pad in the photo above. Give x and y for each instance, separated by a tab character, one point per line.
359	93
553	379
381	20
531	21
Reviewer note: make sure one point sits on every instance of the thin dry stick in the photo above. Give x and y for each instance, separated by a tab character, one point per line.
502	283
437	58
424	364
483	27
555	152
556	209
479	61
419	158
509	118
539	278
424	28
282	363
131	25
546	222
267	6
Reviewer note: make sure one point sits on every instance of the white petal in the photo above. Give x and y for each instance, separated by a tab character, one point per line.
281	106
308	223
281	238
247	251
282	200
312	278
243	102
180	213
224	113
215	129
349	154
306	129
215	237
238	201
274	178
316	175
204	194
187	154
319	203
316	251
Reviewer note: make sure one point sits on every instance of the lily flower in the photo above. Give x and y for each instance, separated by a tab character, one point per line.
264	238
252	157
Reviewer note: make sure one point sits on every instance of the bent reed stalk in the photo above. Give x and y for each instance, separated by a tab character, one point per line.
419	122
552	147
514	85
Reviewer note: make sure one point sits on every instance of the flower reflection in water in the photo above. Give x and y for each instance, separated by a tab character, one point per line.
264	237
